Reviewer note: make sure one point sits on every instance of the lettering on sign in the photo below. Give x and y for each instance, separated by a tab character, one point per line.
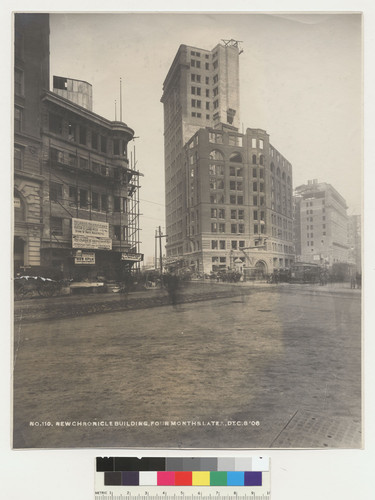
84	257
17	203
91	243
95	228
132	257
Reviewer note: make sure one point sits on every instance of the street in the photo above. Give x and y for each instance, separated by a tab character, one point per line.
277	367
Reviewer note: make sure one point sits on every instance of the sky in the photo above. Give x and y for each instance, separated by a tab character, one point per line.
300	80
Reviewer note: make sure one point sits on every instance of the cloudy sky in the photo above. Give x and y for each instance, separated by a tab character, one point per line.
300	79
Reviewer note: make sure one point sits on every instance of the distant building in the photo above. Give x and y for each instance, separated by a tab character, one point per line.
355	241
323	223
76	195
228	195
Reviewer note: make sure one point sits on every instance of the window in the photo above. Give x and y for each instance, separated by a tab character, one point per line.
213	227
239	186
213	213
94	140
213	198
255	214
232	199
241	214
235	158
261	143
207	80
83	198
232	185
55	191
82	135
207	117
222	244
18	119
73	193
57	226
55	123
239	200
94	201
233	228
241	244
255	228
193	103
193	77
207	105
241	228
71	131
222	227
84	163
18	82
117	232
255	200
215	64
198	78
216	155
233	214
207	66
216	103
18	158
253	143
192	63
207	93
117	203
213	244
255	186
116	146
104	202
103	144
234	245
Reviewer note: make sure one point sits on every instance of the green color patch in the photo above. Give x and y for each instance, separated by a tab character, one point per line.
218	478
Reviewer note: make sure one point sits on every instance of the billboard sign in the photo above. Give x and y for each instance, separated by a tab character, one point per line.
91	242
132	257
91	228
84	258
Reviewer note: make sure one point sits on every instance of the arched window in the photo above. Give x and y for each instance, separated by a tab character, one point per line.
261	159
278	172
254	159
216	155
235	158
272	168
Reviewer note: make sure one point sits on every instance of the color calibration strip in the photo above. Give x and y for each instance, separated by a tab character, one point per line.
127	476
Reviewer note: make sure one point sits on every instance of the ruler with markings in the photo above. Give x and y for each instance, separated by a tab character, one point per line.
223	493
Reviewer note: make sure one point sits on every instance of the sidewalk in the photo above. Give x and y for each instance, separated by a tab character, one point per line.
37	309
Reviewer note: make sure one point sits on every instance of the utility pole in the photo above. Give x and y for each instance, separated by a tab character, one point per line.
160	236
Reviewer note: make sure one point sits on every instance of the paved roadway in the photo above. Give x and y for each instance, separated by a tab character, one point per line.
288	358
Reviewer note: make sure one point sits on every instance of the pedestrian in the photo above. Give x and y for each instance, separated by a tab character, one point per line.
172	284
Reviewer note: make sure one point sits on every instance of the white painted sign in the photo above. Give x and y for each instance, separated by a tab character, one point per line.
95	228
133	257
91	242
84	258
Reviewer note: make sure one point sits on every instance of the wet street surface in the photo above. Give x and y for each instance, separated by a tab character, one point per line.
259	368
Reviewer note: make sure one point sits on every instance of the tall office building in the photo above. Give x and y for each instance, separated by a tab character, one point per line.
201	89
323	235
228	195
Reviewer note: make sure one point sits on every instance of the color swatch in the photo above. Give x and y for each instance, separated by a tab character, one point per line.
151	471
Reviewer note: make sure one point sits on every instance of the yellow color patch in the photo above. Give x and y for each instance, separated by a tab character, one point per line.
201	478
